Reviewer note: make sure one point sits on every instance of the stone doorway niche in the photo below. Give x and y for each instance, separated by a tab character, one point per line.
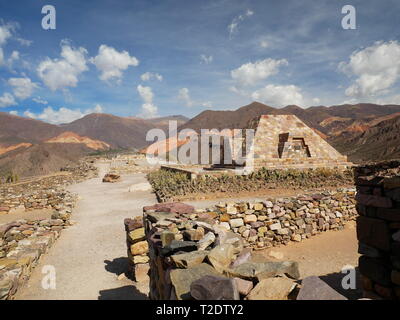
290	147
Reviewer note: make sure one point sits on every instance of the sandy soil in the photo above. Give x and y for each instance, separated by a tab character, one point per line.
323	255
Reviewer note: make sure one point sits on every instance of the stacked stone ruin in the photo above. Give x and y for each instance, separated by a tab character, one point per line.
378	229
22	243
195	251
137	248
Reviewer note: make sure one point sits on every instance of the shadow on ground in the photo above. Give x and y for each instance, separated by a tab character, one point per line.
334	280
117	265
122	293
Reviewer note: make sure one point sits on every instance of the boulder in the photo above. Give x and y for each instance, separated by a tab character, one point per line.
194	234
112	177
181	279
244	286
176	246
173	207
243	257
221	257
142	272
263	270
229	237
139	248
167	237
212	287
136	235
272	289
207	240
190	259
313	288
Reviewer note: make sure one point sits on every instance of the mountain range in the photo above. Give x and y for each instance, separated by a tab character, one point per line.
364	132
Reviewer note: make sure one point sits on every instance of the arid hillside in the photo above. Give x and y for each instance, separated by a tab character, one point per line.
30	147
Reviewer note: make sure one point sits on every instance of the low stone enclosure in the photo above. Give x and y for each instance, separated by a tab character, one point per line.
168	184
42	192
24	241
378	229
191	252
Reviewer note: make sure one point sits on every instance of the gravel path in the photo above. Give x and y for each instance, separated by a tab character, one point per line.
90	255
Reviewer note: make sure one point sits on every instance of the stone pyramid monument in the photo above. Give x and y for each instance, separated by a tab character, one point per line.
284	141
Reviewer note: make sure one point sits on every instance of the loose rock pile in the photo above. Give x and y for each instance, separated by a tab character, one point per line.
378	229
207	254
22	243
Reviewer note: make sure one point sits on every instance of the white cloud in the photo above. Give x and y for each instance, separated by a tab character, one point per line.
22	87
234	26
149	109
7	100
64	72
14	112
62	115
279	96
147	76
376	69
184	95
206	59
264	44
112	63
39	100
207	104
250	73
5	33
1	57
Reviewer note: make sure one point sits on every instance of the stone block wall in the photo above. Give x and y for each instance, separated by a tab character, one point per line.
22	243
190	249
378	229
137	246
46	192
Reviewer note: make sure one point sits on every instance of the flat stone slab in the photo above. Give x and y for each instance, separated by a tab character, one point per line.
263	270
188	260
272	289
173	207
313	288
214	288
181	279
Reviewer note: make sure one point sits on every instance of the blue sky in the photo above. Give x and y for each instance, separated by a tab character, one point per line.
155	58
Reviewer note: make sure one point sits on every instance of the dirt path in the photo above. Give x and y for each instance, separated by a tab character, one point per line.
90	255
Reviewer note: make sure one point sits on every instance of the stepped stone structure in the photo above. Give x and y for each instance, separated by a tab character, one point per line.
284	141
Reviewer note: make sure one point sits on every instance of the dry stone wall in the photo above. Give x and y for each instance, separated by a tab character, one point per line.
193	252
22	243
378	229
168	184
43	192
